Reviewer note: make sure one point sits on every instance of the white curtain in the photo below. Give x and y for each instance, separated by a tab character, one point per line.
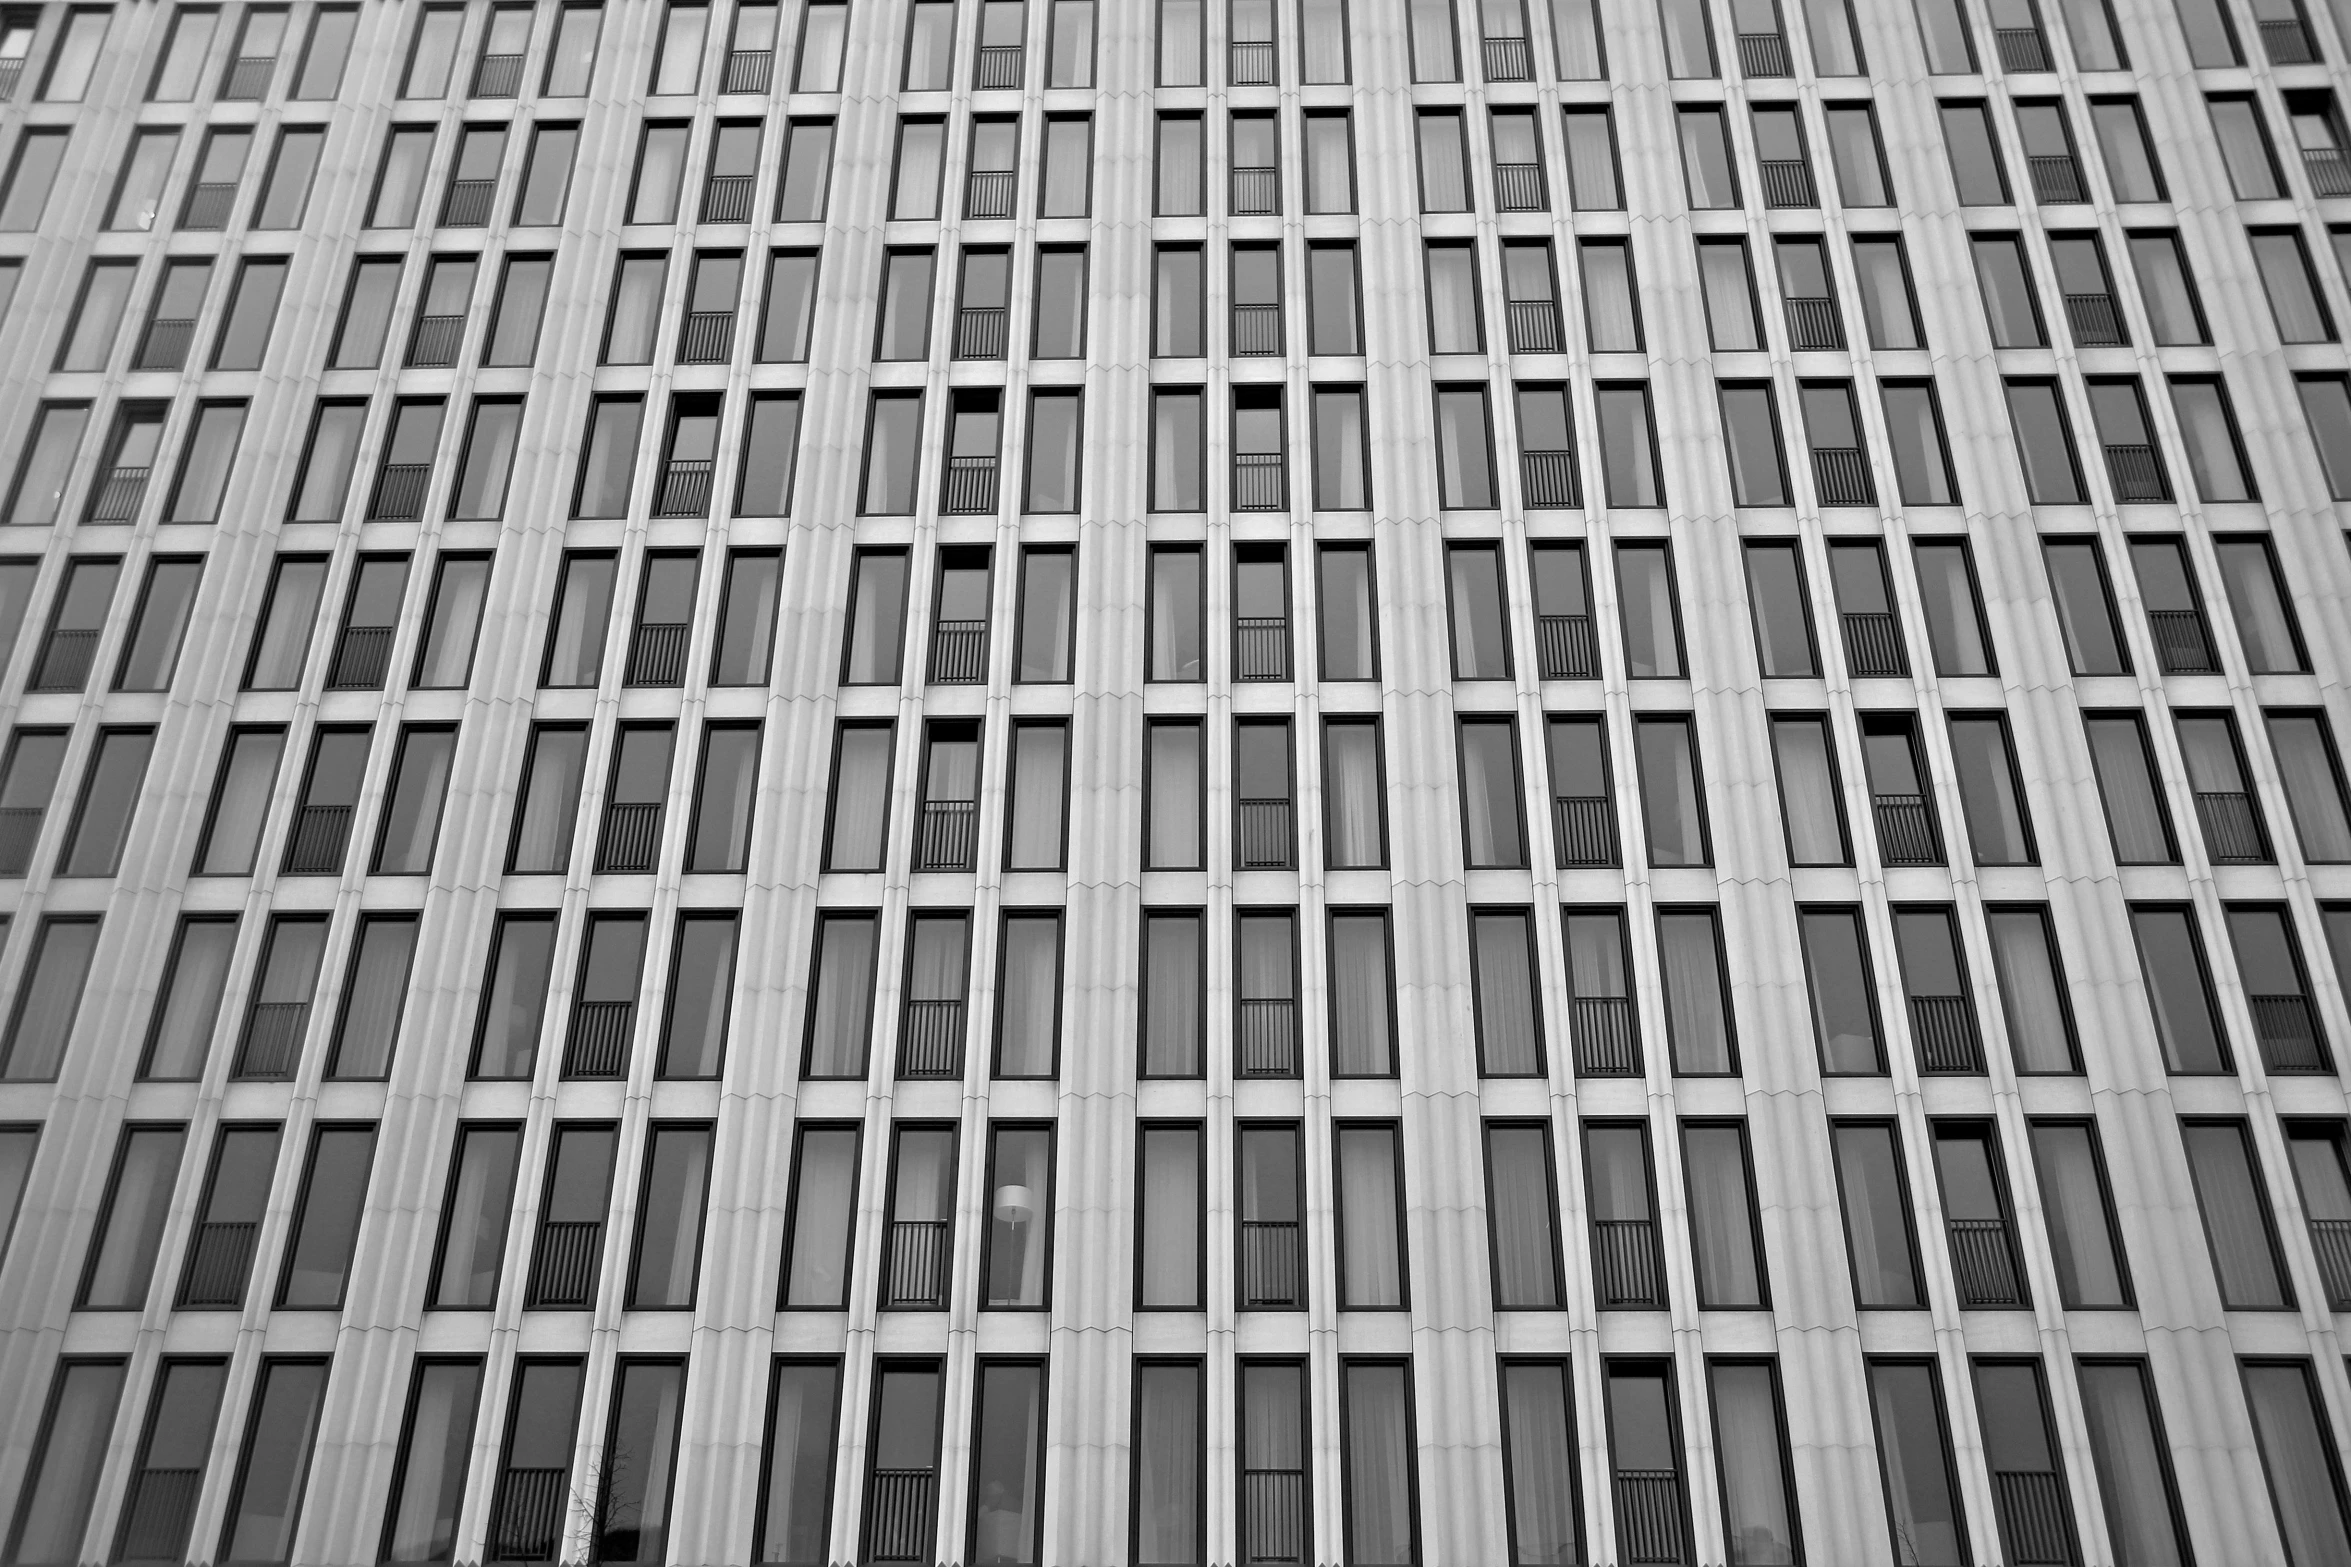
2315	794
925	1176
1167	1467
1489	794
1360	992
1379	1465
2235	1217
1272	1436
1465	451
722	817
2296	1447
1040	765
1722	1220
1171	991
2031	988
861	799
1505	997
2134	812
1171	1216
1268	961
1179	166
821	37
1443	183
1918	1485
2131	1464
1831	26
1068	162
1351	793
1875	1226
1369	1238
2212	458
199	972
1522	1215
2262	618
1179	43
1595	956
1609	310
825	1185
1696	1010
432	1482
1032	961
800	1463
1591	159
1432	41
135	1213
1542	1462
1669	789
2079	1238
1175	452
371	1004
1324	24
1453	300
936	971
413	818
1755	1488
1330	165
1175	796
844	997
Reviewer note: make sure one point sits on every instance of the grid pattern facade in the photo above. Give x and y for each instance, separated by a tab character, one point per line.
1256	781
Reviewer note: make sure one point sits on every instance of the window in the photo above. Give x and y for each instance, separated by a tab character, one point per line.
2044	443
668	1243
2032	988
1347	625
2264	615
2326	403
1375	1403
974	430
1895	765
24	194
571	53
1266	1006
1179	177
1167	1488
2179	989
1481	626
903	323
2134	464
151	653
2308	766
1592	181
893	431
1583	804
1706	155
1652	621
2234	1200
1354	804
1059	329
400	178
1832	426
49	453
130	1224
2133	1460
788	305
1627	1264
2078	1207
245	323
1444	170
1726	1240
2208	428
326	1225
98	310
1914	1452
179	1036
2011	303
2167	290
1672	795
375	987
1936	990
1493	823
412	809
1889	306
1758	1494
1174	989
2245	149
629	836
1751	441
841	995
915	176
1518	159
61	1479
240	802
1612	311
453	619
1522	1211
1509	1022
2136	817
1844	992
1055	422
2296	302
1177	299
1781	158
1689	40
285	188
1975	155
1645	1458
1991	792
1067	167
807	166
1540	1479
2225	805
1953	607
2269	966
1330	163
545	819
171	1455
1810	800
1878	1231
2020	1443
635	310
822	1207
277	1019
1854	146
1628	452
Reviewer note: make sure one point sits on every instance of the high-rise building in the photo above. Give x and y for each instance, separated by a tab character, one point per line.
1100	782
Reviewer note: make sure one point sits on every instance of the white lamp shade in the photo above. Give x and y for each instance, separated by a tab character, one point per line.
1015	1204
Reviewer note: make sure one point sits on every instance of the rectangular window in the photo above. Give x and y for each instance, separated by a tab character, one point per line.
804	1402
179	1037
1811	800
101	824
1726	1239
702	966
1493	819
2078	1207
1953	606
1751	440
1017	1251
1169	1447
1628	450
2326	403
98	311
412	810
171	1458
1628	1269
2179	989
1601	1017
1707	166
49	996
1564	640
1645	1459
2032	988
2312	773
1375	1401
2132	1456
131	1217
1991	791
2232	1194
1977	1216
1522	1213
326	1221
2296	301
1974	154
1672	793
506	1037
2084	602
1781	606
2260	605
61	1478
1370	1189
1914	1451
1844	992
2044	443
1508	1014
1168	1258
1541	1483
669	1228
374	989
1612	311
1650	612
277	1020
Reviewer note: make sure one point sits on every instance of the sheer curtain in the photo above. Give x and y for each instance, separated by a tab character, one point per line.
2212	458
1542	1462
1575	26
2032	990
1040	768
550	807
1167	1464
1443	185
2262	618
1360	991
1464	457
2080	1240
1179	43
413	818
722	817
1272	1433
432	1466
936	969
1869	1176
844	996
824	1186
1609	311
1175	614
518	997
1453	300
1669	788
861	799
1652	641
1032	960
2235	1219
800	1471
2297	1451
1722	1224
1595	956
2126	783
1324	25
1353	792
1268	960
1918	1482
1522	1214
199	972
925	1188
1330	167
2313	792
1179	166
1004	1464
1171	996
1171	1216
2131	1464
371	1004
1369	1235
1379	1465
1507	1039
1697	1013
1755	1489
1489	794
1175	796
1591	157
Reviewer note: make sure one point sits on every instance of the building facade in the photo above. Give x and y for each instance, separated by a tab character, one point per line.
1084	782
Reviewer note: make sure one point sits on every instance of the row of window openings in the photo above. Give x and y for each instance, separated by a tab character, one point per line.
901	1487
1273	1257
